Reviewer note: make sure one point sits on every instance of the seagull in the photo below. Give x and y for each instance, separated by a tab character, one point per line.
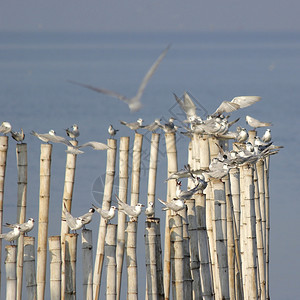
175	204
112	131
267	136
135	125
12	235
106	214
18	136
133	103
24	227
153	126
94	145
219	173
5	128
132	211
51	137
73	223
73	132
185	195
183	173
87	218
255	123
242	135
169	127
149	211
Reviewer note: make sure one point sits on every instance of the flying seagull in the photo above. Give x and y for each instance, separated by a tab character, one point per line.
133	103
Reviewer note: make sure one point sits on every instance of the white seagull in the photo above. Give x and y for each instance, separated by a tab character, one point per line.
133	103
51	137
112	131
73	223
24	227
175	204
18	136
149	211
134	125
106	214
255	123
94	145
131	211
12	235
267	136
73	132
5	128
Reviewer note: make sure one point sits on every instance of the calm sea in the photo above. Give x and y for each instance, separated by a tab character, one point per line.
35	95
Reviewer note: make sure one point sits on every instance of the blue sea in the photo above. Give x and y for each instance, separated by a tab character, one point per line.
35	95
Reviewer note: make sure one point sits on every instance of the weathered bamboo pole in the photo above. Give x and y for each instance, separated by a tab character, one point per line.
251	282
153	167
87	263
29	267
213	148
70	265
220	236
259	238
108	188
252	135
67	201
190	183
110	253
11	275
45	173
159	264
150	256
177	256
123	187
194	250
3	156
130	237
171	150
21	153
55	267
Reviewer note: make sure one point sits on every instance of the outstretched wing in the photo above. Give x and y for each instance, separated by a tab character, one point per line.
245	101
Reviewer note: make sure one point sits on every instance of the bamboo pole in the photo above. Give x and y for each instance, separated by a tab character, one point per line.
70	265
108	188
159	264
251	283
21	153
87	263
10	268
220	237
150	256
67	201
132	283
213	148
194	250
110	251
171	150
153	167
190	183
55	267
3	156
177	256
45	173
29	267
123	186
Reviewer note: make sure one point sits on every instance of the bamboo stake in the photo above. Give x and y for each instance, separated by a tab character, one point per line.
213	148
10	268
29	267
108	188
194	251
55	267
123	186
67	201
252	135
159	265
153	167
87	263
130	236
45	173
220	236
177	256
70	265
21	153
3	156
110	251
171	192
190	183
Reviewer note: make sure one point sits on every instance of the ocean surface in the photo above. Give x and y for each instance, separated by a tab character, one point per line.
35	95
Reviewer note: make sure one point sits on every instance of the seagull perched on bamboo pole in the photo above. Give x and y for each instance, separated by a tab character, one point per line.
106	214
112	131
73	132
149	211
131	211
5	128
134	125
133	103
24	227
175	204
255	123
73	223
18	136
12	235
51	137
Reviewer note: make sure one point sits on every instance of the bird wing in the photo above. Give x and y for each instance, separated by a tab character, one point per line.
11	225
226	107
187	105
94	145
245	101
71	221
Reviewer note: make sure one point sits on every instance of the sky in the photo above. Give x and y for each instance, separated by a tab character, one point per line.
153	16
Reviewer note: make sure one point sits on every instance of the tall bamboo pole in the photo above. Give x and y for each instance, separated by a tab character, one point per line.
29	266
10	268
132	283
123	187
213	148
110	252
21	153
177	256
45	173
170	139
70	265
159	264
108	188
87	263
3	156
55	267
67	201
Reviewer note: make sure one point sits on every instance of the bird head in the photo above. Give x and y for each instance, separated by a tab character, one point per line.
91	210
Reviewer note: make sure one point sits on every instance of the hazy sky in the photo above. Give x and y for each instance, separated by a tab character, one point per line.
154	15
